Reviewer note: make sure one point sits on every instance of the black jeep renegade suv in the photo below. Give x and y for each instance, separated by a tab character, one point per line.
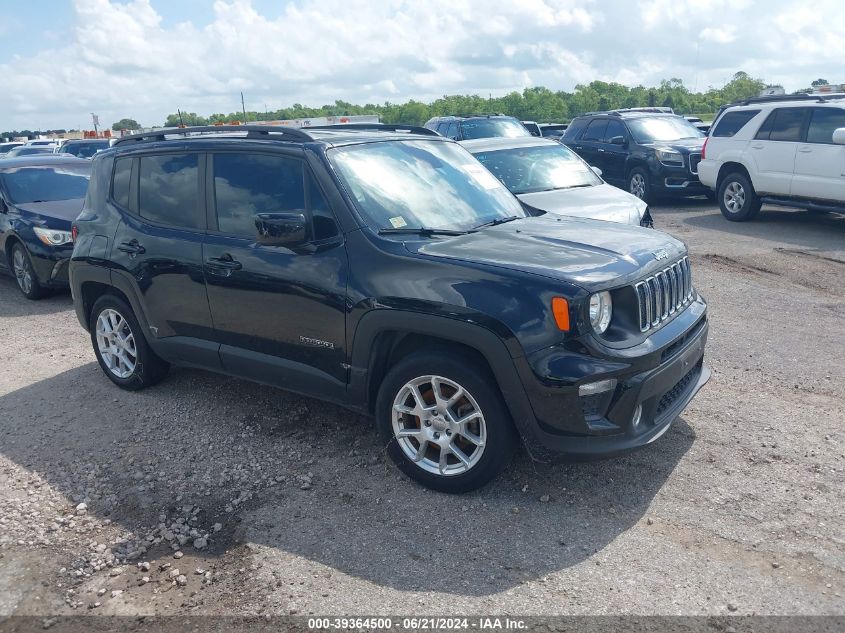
386	270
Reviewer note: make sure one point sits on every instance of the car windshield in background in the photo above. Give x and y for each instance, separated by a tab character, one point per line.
41	183
543	168
414	184
489	128
84	150
664	128
28	150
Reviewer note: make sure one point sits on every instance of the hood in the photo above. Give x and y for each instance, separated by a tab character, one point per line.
685	146
602	202
57	214
589	253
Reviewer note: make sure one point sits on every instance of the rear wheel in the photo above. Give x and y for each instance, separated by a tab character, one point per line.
121	349
443	423
737	199
25	274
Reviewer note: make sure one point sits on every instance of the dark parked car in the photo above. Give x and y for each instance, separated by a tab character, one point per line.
84	148
461	128
5	148
39	197
393	274
647	153
554	131
28	150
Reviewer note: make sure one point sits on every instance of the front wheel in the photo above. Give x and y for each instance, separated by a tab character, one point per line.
638	184
738	201
25	274
443	423
121	349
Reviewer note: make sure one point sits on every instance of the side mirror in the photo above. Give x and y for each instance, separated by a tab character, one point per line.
596	171
617	140
281	229
839	136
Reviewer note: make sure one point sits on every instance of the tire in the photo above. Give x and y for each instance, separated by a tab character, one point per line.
485	442
738	201
24	273
121	347
638	184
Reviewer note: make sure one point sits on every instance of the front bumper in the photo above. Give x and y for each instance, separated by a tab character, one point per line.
51	264
677	181
660	382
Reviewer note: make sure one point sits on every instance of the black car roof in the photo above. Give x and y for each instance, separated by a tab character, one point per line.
42	160
335	135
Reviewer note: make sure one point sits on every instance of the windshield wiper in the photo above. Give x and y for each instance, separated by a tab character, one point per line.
498	221
421	230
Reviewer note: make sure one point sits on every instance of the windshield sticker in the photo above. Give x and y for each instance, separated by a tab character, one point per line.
481	176
398	222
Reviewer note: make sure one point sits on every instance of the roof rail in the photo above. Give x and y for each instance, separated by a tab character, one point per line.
252	131
818	98
377	127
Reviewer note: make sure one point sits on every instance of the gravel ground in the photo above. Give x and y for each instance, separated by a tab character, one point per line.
216	496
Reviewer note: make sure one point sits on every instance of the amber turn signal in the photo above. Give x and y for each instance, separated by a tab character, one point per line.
560	309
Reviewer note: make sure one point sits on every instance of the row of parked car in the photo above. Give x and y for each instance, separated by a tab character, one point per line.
383	268
84	148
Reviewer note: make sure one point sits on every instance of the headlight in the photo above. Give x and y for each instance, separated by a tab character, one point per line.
601	309
670	157
52	237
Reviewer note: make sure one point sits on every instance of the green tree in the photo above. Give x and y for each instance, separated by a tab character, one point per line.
819	82
126	124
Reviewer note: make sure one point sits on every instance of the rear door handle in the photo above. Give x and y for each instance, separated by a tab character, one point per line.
805	150
224	262
132	247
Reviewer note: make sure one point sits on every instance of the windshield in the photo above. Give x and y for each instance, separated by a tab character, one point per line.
664	128
431	184
542	168
46	184
29	151
84	150
487	128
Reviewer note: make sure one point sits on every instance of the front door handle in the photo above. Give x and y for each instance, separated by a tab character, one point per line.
757	146
132	247
805	150
224	262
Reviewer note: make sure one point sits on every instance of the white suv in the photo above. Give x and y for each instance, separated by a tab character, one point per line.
787	151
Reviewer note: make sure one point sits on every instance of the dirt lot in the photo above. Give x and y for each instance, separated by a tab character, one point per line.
277	504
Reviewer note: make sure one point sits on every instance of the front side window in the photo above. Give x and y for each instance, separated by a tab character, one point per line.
662	128
489	128
413	184
823	123
46	184
168	190
452	130
733	122
542	168
783	124
614	129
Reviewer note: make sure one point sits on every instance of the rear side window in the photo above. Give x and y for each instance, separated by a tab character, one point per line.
595	130
248	184
823	123
120	181
168	190
733	122
783	124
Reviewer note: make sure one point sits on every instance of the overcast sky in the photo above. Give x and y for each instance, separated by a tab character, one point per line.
60	60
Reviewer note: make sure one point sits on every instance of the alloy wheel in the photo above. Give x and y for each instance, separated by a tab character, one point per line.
637	185
22	272
439	425
116	343
734	197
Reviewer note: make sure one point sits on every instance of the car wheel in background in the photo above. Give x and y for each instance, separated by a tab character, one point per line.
25	274
121	349
638	183
444	425
737	199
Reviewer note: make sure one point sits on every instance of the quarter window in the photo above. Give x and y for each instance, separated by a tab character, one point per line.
823	123
733	122
120	182
168	190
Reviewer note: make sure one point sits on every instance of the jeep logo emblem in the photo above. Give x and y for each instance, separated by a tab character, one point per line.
661	254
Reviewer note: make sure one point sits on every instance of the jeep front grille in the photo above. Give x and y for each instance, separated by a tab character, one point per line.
667	292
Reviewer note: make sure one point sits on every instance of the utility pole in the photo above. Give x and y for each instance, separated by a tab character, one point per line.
243	107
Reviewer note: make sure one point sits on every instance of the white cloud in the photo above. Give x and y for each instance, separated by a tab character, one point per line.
122	59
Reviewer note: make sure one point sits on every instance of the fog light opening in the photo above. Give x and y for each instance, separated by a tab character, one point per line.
637	417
